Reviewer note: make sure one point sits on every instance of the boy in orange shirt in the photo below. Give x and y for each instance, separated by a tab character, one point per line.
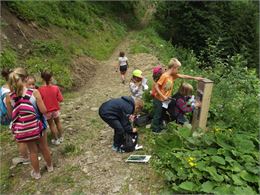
163	91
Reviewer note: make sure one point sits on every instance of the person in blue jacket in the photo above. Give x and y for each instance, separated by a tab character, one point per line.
118	114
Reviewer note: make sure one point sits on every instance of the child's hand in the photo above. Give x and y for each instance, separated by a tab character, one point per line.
134	130
132	117
199	78
197	104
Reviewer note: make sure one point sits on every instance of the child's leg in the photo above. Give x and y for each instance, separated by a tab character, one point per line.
58	125
34	156
45	149
53	129
157	115
23	150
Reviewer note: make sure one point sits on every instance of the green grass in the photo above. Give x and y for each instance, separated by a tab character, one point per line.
92	27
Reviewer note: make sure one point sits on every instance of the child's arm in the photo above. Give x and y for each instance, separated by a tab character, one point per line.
8	105
159	91
183	76
39	101
59	96
183	106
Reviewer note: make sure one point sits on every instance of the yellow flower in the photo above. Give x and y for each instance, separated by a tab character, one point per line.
192	164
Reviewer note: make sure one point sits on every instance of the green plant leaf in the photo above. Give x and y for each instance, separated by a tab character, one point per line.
244	190
237	180
223	189
249	177
187	185
207	186
213	172
218	159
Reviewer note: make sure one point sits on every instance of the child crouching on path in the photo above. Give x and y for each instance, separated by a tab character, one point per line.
118	114
26	126
51	96
163	90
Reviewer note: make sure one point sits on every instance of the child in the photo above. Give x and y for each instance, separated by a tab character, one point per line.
27	129
163	90
51	96
118	114
122	65
5	120
137	84
181	104
31	82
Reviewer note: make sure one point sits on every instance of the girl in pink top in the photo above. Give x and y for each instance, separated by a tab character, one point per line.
51	96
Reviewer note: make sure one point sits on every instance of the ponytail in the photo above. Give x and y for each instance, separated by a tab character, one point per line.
16	81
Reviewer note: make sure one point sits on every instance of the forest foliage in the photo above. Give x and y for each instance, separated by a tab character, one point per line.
234	25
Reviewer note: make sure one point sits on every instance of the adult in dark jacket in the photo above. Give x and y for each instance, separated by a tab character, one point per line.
117	113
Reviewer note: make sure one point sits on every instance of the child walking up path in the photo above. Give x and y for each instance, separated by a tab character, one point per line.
51	96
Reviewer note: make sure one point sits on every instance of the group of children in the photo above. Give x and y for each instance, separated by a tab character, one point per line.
26	108
120	113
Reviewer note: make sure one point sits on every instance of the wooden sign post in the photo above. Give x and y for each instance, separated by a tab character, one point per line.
203	95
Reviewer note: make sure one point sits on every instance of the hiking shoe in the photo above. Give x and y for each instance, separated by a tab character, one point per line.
61	139
55	142
35	175
49	168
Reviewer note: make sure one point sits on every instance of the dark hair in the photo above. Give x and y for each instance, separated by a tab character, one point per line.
46	76
5	73
121	54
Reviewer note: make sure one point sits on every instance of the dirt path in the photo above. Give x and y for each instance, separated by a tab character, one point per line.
85	162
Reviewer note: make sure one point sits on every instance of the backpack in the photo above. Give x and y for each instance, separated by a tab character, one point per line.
130	141
157	72
4	119
25	124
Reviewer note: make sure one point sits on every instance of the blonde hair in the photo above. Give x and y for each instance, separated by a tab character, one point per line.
139	103
185	89
16	80
174	62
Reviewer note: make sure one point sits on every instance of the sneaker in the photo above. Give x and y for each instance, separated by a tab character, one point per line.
18	160
114	148
123	81
55	142
119	150
35	175
137	147
61	139
49	168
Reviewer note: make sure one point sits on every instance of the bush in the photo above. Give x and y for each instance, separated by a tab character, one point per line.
221	161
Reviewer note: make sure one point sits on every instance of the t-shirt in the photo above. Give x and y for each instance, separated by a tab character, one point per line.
4	90
51	97
165	83
122	61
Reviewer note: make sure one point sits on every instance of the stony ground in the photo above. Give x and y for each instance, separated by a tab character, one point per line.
85	163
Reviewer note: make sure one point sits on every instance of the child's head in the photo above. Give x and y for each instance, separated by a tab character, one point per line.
157	72
121	54
137	75
139	104
185	89
174	66
46	76
30	83
5	73
16	80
